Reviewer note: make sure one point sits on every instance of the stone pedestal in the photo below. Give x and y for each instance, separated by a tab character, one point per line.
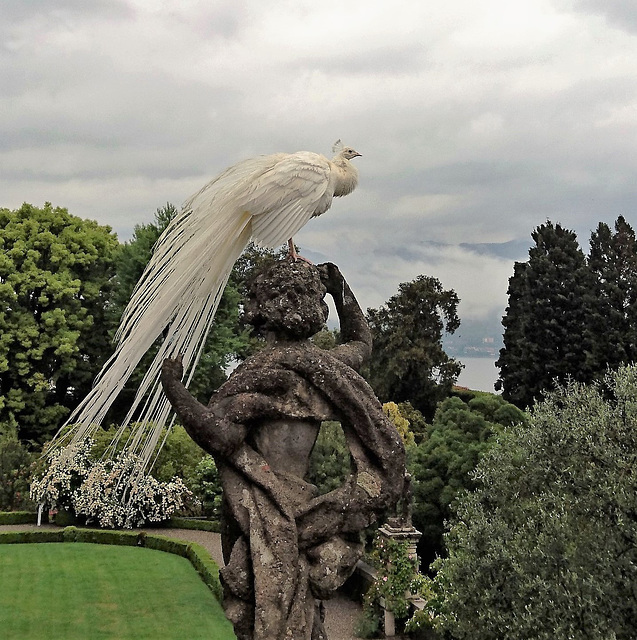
398	529
390	624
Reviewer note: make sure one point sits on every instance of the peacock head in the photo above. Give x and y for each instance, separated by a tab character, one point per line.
345	152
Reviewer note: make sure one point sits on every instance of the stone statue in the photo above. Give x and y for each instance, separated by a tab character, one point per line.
285	547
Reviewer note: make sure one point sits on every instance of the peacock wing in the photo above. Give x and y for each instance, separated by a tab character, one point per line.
287	195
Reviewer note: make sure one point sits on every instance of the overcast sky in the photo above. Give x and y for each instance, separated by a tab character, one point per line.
477	121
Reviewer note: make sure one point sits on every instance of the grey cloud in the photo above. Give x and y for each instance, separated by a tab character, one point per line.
20	10
618	13
467	145
513	250
395	59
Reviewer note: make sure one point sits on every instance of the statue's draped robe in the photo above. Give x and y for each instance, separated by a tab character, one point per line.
280	540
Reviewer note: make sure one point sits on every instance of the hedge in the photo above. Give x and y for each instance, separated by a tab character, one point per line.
64	519
18	517
198	556
44	535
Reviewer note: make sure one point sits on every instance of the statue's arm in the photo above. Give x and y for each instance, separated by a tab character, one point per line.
209	426
355	332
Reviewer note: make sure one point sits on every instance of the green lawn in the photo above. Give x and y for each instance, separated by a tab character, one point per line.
92	591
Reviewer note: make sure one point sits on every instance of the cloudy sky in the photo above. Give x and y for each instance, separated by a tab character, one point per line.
477	121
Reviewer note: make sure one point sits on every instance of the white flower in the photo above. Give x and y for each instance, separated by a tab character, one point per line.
113	493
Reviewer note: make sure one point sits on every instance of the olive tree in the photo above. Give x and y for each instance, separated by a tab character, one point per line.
546	545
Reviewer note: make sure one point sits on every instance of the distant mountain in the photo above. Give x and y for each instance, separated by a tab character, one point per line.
476	338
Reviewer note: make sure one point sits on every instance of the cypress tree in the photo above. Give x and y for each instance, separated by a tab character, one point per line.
547	325
613	261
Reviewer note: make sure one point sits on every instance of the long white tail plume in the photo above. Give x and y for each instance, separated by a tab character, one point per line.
177	295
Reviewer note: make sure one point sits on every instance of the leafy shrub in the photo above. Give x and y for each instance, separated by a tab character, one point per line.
368	625
40	535
18	517
396	571
545	545
179	456
65	518
206	567
115	495
443	462
397	579
67	470
190	523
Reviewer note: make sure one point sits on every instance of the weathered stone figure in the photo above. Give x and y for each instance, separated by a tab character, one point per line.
286	548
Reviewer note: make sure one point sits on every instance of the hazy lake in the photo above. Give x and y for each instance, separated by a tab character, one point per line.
479	374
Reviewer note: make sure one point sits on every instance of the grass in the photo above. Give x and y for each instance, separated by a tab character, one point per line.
92	591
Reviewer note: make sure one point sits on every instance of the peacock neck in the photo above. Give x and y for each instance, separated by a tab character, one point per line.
346	176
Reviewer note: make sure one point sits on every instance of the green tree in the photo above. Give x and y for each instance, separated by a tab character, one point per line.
545	547
443	462
613	261
393	412
15	473
408	362
327	338
417	423
206	486
547	324
56	275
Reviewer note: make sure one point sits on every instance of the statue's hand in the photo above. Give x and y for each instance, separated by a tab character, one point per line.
332	278
172	369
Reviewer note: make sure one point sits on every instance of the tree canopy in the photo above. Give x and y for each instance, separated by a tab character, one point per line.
569	316
64	283
544	547
408	362
56	274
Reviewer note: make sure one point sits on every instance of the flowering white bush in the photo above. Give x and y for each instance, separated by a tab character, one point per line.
67	470
116	495
113	493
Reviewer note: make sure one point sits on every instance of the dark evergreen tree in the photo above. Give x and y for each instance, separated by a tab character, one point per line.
548	324
408	362
613	261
